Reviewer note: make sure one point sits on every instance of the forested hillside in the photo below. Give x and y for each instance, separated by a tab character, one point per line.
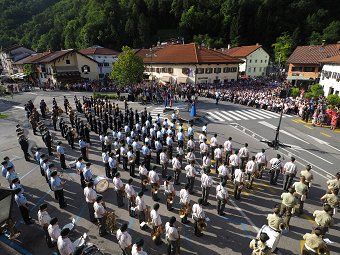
55	24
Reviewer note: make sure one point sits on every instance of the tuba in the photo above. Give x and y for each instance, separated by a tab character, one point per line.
201	225
110	222
184	211
155	188
155	234
170	198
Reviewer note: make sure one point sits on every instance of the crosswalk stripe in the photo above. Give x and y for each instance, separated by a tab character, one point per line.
225	117
260	114
238	115
267	113
215	116
231	116
246	114
253	114
209	118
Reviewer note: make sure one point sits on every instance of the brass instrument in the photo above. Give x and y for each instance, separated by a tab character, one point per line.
147	215
185	211
155	188
110	222
156	233
145	181
170	198
201	225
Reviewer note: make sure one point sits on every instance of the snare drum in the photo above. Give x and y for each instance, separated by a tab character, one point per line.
101	184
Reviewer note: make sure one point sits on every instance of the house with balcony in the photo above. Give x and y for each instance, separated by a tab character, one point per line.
305	62
188	63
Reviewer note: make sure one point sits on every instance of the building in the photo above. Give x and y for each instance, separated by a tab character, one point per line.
255	59
10	55
62	67
188	63
104	56
330	75
304	62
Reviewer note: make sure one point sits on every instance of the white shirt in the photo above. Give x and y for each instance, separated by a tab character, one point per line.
239	175
201	138
223	171
234	160
289	168
117	183
227	146
142	170
176	164
99	210
213	141
218	153
130	191
197	211
60	149
206	181
204	128
105	157
43	218
275	161
191	144
163	158
243	153
184	196
250	166
154	178
65	246
261	158
112	162
203	147
190	156
80	165
155	218
168	187
221	192
171	233
190	171
124	239
206	161
140	204
134	251
54	232
90	195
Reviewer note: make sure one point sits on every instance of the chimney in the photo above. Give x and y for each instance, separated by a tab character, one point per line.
323	42
257	44
229	46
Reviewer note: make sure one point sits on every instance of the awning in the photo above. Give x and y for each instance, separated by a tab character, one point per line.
166	78
18	76
182	79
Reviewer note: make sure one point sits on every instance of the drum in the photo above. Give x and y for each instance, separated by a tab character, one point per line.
274	236
101	184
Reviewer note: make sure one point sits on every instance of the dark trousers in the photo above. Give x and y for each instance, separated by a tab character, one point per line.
307	252
47	237
142	178
107	170
227	155
125	163
154	194
25	214
42	171
191	181
102	226
237	190
83	153
233	171
164	170
132	170
220	206
274	175
91	211
60	197
120	201
173	247
217	163
250	180
288	181
212	152
62	161
141	216
205	195
176	176
287	213
137	157
158	153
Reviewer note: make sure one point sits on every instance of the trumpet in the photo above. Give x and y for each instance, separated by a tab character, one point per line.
201	225
110	222
184	211
156	233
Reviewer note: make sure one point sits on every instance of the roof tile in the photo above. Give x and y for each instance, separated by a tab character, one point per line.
313	54
242	51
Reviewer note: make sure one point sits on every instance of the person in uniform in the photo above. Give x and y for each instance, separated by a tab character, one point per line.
163	159
222	197
57	186
44	220
172	237
61	155
213	146
70	137
169	192
190	174
223	172
100	214
275	169
130	195
206	184
53	230
287	205
334	183
314	244
244	154
119	189
289	172
239	180
198	215
131	161
331	199
234	162
308	176
24	146
87	172
300	193
259	245
64	244
143	174
141	208
261	161
124	239
80	170
90	197
156	223
227	150
177	167
251	171
83	148
112	164
154	183
21	201
323	218
105	159
137	248
275	222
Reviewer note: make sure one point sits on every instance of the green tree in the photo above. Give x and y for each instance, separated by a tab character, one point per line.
315	91
333	100
203	39
295	92
331	34
282	48
128	69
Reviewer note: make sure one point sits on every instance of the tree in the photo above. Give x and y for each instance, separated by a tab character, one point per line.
128	69
315	91
333	100
282	48
294	92
332	32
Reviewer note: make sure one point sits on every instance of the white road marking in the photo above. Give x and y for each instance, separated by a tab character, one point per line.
301	149
238	115
215	116
246	115
245	216
19	107
230	115
282	131
223	116
260	114
255	115
32	93
268	113
323	142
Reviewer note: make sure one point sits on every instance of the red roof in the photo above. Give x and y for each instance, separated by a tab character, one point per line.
242	51
313	54
97	50
184	54
331	60
32	58
54	55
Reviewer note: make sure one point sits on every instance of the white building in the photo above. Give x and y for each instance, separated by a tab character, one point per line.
104	56
10	55
188	63
330	75
255	59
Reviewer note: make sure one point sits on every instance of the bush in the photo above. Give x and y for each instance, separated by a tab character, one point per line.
294	92
105	95
315	91
333	100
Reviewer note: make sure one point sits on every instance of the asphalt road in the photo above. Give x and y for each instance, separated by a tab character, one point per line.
225	235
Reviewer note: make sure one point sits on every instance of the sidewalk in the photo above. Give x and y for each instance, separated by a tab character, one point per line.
309	123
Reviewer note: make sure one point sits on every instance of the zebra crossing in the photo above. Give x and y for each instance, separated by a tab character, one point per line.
238	115
159	110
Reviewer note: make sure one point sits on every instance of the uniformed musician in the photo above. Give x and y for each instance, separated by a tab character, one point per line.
177	167
169	192
53	231
223	172
137	248
314	244
87	172
191	174
172	237
222	197
323	218
131	157
198	216
65	246
156	223
289	172
21	201
154	183
300	193
131	196
44	220
234	162
163	157
90	197
57	186
83	148
119	189
259	245
143	175
213	146
206	184
275	221
80	170
124	239
100	215
185	202
61	155
332	199
141	208
287	205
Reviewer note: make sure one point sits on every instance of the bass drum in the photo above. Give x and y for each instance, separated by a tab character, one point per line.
101	184
88	249
274	236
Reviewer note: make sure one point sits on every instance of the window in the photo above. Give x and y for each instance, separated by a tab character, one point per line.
43	69
164	70
297	69
309	69
200	70
208	70
233	70
226	70
85	69
249	60
255	60
152	69
185	71
254	69
261	60
170	70
260	69
106	64
249	70
147	69
100	64
265	60
68	62
158	70
217	70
